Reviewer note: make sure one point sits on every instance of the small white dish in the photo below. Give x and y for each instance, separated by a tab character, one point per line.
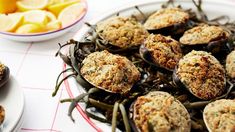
12	99
45	35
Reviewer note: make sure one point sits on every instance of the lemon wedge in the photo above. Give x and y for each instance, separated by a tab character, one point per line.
7	6
50	16
54	25
58	7
70	14
29	28
35	17
11	22
25	5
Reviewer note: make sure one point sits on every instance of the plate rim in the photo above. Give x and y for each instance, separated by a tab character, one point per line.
22	98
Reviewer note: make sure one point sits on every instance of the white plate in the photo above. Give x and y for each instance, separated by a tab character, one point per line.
12	99
213	8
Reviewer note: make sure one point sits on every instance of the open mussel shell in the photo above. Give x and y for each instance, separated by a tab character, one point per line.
205	37
219	115
104	45
171	108
120	33
201	74
109	72
6	76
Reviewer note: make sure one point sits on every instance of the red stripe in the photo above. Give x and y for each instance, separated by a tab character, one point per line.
80	110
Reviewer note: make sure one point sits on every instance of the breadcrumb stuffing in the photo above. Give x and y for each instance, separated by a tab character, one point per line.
165	51
166	18
203	34
113	73
160	112
202	74
123	32
220	115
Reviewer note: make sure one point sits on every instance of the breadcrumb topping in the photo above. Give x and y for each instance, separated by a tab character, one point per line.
165	18
113	73
220	115
165	51
160	112
203	34
202	74
122	32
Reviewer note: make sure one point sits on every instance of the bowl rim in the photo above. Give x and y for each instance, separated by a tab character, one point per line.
84	12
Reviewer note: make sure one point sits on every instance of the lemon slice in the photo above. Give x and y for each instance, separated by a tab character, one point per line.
10	23
25	5
50	16
58	7
35	17
52	2
54	25
29	28
7	6
70	14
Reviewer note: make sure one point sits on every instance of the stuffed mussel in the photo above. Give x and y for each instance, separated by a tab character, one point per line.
160	112
167	21
202	74
219	116
161	51
121	32
206	37
109	72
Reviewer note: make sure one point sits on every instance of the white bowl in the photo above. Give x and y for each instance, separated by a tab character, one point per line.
35	37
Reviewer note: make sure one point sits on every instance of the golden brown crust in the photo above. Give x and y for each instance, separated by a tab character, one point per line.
165	18
202	74
165	51
2	114
230	64
203	34
161	112
220	115
111	72
122	32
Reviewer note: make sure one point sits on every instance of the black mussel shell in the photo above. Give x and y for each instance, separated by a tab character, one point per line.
176	79
131	116
6	76
175	30
103	45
